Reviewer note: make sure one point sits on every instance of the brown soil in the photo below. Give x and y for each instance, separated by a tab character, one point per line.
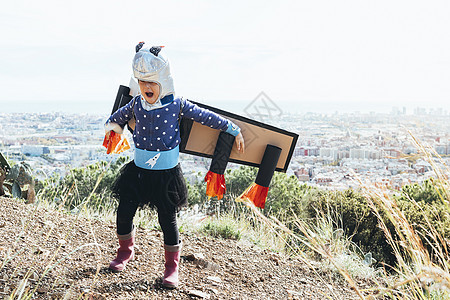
62	255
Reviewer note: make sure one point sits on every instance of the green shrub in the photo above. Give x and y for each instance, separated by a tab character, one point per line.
287	197
78	187
420	204
427	192
357	220
225	228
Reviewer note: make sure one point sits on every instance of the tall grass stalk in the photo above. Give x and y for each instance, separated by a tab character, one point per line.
308	239
418	273
421	275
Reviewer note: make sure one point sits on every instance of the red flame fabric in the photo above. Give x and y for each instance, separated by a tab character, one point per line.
215	185
114	143
256	194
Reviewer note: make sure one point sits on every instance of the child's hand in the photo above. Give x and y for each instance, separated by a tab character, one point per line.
240	143
111	126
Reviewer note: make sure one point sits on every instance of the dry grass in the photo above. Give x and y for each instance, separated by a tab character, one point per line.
417	275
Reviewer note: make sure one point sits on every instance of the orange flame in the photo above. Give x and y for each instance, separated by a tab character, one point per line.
115	143
215	185
256	194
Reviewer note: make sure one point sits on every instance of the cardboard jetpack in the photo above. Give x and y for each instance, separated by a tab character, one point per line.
267	147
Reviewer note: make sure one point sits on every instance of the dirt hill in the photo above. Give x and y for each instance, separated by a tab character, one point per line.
63	255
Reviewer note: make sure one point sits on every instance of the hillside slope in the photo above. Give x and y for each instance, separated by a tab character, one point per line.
63	255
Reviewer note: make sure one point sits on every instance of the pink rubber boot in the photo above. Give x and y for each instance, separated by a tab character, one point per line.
125	253
172	255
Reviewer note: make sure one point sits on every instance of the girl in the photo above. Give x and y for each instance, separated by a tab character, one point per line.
154	178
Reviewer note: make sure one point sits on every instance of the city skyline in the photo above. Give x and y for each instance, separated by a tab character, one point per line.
331	149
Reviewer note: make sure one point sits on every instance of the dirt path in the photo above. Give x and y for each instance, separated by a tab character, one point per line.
65	255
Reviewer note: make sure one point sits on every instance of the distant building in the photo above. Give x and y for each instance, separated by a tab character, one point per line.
302	174
393	153
443	149
34	150
422	167
306	151
365	154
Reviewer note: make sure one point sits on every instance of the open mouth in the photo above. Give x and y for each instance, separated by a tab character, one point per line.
149	94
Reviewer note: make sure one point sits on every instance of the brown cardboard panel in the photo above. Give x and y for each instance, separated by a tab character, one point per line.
202	139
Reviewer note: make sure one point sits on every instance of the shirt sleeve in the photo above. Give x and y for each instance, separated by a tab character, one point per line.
123	114
208	118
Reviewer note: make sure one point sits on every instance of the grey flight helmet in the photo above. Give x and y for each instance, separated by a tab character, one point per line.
151	66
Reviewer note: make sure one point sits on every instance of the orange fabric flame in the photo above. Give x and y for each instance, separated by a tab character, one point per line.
256	194
114	143
215	185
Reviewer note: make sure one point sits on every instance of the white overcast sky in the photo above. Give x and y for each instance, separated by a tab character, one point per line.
313	54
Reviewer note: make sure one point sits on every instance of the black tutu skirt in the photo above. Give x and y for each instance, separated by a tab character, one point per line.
162	189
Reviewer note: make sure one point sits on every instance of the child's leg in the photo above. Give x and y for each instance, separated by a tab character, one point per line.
168	223
125	234
125	214
172	248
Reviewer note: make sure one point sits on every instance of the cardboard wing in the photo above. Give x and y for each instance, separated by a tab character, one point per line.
200	140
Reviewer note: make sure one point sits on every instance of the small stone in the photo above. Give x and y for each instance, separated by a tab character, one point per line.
4	289
292	293
137	251
34	277
214	279
198	294
57	295
199	260
42	290
195	256
44	252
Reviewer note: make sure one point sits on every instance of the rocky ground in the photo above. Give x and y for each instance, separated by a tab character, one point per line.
52	255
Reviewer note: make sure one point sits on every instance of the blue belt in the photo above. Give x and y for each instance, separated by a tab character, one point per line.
156	160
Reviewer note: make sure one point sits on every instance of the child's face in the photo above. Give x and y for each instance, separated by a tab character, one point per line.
150	91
